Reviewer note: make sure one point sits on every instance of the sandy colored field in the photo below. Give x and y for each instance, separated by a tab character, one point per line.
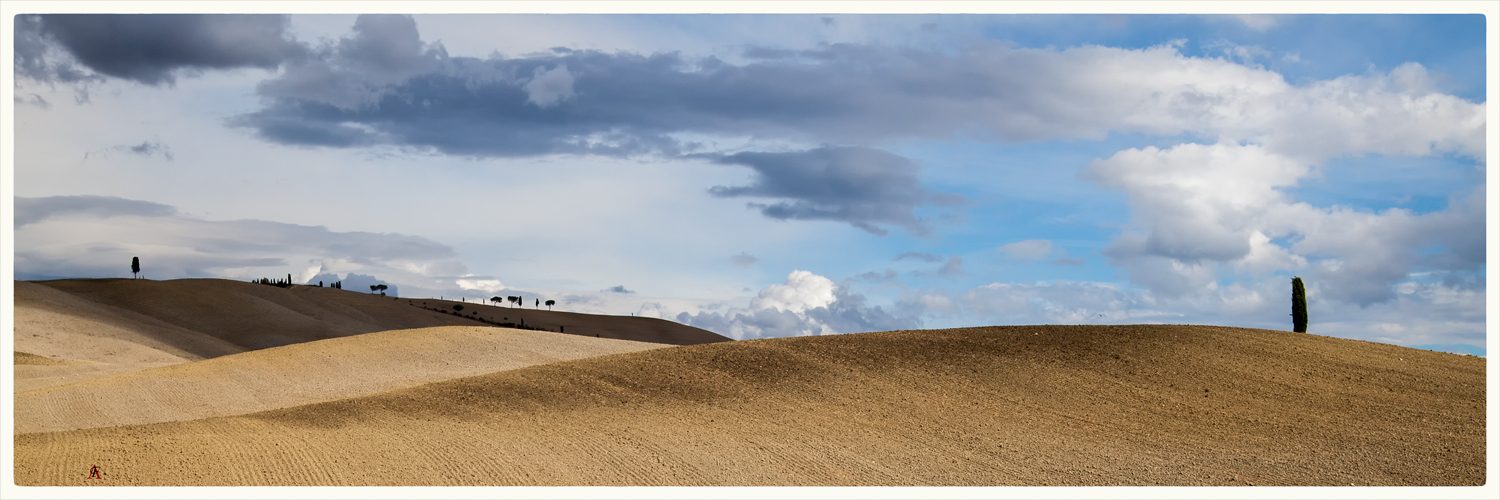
1034	405
108	327
299	374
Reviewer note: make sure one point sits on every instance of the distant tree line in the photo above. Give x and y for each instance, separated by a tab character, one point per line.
286	283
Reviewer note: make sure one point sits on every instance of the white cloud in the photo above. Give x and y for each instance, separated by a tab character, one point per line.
1370	251
1199	210
1393	114
482	285
1266	258
1195	201
803	290
806	304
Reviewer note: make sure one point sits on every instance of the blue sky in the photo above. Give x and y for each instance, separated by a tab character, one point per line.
774	175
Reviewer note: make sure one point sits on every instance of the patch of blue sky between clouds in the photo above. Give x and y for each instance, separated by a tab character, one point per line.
1375	183
1302	48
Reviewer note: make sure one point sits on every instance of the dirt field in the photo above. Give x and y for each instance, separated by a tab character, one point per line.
1032	405
299	374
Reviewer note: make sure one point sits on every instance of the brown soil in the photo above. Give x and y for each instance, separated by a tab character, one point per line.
299	374
1029	405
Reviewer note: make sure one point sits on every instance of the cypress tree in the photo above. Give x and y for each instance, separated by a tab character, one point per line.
1299	306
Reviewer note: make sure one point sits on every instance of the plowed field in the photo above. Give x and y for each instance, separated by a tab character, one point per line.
1029	405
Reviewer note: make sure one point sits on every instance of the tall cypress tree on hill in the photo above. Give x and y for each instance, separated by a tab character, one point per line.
1299	306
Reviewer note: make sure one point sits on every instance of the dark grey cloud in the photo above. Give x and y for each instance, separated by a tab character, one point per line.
39	58
743	259
389	45
617	289
384	50
925	257
861	186
386	86
148	48
31	210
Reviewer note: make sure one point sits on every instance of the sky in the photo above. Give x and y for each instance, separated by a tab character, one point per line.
771	175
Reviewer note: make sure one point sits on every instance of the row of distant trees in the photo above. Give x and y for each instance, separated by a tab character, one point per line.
516	300
286	283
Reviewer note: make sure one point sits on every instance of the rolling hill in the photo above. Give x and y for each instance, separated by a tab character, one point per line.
1021	405
93	328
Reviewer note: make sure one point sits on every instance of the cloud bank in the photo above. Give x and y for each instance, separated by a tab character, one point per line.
1202	212
861	186
806	304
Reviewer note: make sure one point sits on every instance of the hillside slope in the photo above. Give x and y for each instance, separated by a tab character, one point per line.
82	339
637	328
95	328
1026	405
253	316
299	374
